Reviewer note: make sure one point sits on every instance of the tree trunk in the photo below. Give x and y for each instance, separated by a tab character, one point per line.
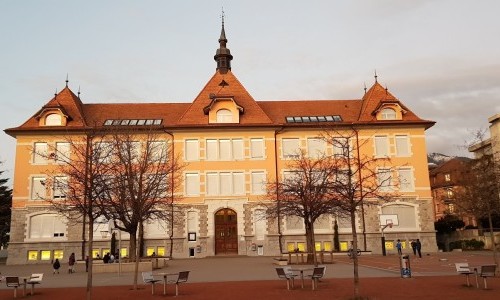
137	256
133	245
89	254
492	237
355	254
311	249
336	241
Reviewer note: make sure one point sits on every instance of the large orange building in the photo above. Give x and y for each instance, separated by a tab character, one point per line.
231	145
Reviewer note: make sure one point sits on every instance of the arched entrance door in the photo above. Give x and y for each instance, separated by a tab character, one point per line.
226	232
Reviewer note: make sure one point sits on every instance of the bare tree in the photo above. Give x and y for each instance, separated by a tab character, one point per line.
74	182
303	192
139	184
360	180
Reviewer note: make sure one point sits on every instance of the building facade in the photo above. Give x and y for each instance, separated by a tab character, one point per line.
447	179
231	146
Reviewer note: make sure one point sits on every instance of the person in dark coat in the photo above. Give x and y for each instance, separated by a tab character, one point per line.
418	247
414	247
71	263
56	266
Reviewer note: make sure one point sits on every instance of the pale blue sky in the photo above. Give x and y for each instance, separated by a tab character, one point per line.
440	57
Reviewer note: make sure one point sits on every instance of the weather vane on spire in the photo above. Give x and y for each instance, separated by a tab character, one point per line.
376	75
222	16
67	79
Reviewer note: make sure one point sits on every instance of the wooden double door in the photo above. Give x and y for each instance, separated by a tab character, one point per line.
226	232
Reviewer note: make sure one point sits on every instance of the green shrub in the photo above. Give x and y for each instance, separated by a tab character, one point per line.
467	245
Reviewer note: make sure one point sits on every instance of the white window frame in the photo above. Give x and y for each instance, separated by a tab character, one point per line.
63	152
402	143
225	183
224	115
316	147
257	148
384	179
157	151
381	145
406	184
53	119
192	180
192	150
53	223
388	114
258	179
287	148
60	187
40	152
233	149
38	190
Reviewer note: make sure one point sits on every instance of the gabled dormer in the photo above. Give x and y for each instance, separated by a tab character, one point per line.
52	116
389	110
223	109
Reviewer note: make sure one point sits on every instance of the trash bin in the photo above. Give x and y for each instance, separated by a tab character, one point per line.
404	264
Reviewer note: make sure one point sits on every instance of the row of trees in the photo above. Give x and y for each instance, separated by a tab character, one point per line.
340	184
131	178
125	177
5	205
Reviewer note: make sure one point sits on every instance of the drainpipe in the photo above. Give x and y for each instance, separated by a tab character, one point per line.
276	132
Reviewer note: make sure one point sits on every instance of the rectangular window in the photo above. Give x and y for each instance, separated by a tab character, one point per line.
327	246
316	147
294	223
301	246
291	148
38	191
447	177
381	146
58	254
257	148
402	145
160	251
40	153
238	149
225	183
212	150
62	153
157	151
192	225
260	223
406	180
225	149
192	183
96	253
192	150
239	183
290	247
258	183
150	251
103	151
212	186
60	187
384	178
341	146
32	255
45	255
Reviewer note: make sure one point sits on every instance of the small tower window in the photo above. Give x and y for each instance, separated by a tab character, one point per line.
53	120
224	116
388	114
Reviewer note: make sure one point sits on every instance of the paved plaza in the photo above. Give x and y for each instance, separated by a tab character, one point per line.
433	277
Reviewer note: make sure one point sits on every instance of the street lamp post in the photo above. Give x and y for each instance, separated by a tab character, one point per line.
119	250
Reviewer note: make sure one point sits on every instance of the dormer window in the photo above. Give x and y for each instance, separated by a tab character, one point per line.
224	116
53	120
388	114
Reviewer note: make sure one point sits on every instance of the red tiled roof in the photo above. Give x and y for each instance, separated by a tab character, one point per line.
253	114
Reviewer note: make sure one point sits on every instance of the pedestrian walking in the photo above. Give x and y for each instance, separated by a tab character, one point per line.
56	265
399	247
414	247
418	247
71	263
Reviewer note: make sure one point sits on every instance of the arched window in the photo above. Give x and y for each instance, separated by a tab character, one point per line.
47	226
388	114
224	116
53	120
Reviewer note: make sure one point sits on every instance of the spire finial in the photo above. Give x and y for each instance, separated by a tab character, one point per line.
376	75
365	86
386	90
55	94
222	16
223	56
67	79
78	92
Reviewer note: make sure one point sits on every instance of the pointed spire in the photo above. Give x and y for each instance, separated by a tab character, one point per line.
376	75
78	92
365	86
386	90
55	94
67	80
223	56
